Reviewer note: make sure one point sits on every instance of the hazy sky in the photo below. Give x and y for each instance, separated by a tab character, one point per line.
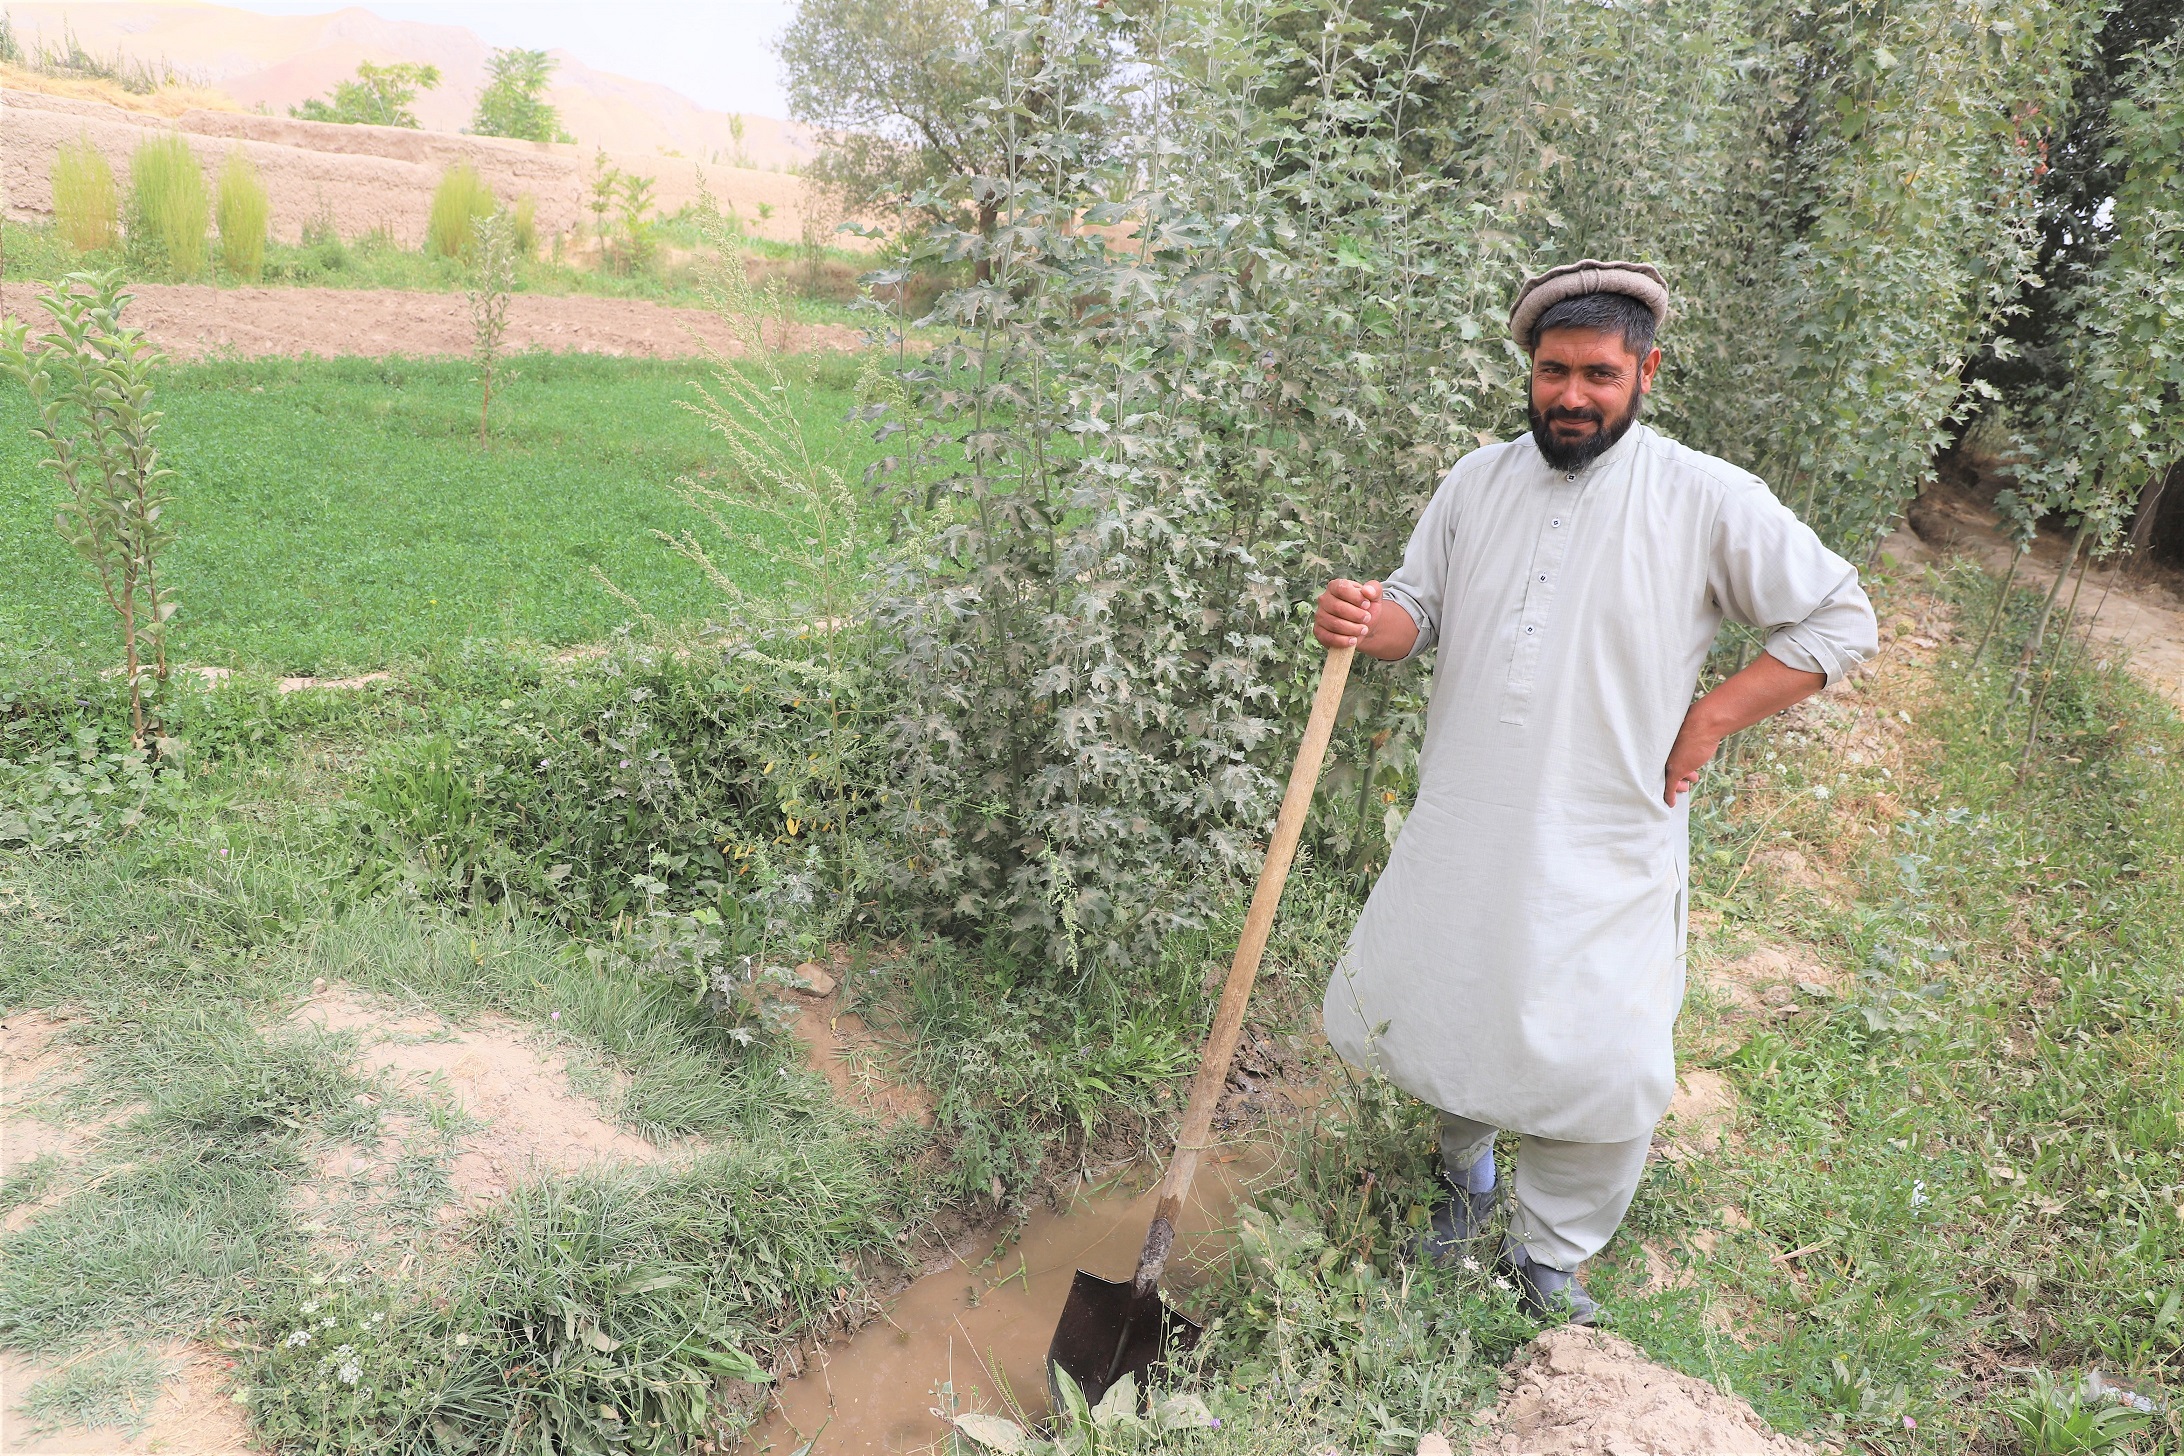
718	53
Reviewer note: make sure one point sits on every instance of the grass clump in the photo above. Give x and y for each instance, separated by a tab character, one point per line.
111	1388
459	204
85	203
168	208
243	214
165	1245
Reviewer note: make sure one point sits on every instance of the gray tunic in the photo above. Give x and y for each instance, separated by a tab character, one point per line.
1520	961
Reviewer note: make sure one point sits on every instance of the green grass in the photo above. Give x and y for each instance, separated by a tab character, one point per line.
1973	1151
114	1387
340	515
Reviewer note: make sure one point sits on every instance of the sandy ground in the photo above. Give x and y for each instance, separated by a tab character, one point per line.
194	1415
194	322
524	1120
1586	1391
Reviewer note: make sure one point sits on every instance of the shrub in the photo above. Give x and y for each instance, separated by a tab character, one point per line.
460	203
168	209
243	213
84	199
525	220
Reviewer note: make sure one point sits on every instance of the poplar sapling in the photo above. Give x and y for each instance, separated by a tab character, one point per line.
90	381
492	279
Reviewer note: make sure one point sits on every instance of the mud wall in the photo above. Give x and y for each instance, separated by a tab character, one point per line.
361	178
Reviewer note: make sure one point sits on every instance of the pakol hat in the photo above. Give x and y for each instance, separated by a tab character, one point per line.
1543	291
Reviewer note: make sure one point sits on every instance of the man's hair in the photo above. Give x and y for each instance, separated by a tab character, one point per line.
1606	313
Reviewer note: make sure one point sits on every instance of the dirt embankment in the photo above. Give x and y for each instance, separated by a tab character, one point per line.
360	178
189	321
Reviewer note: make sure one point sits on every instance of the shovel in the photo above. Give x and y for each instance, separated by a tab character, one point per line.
1110	1329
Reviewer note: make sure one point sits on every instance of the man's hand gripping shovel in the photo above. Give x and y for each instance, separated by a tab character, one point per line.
1110	1329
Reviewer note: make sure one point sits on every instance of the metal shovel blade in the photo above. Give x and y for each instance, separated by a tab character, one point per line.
1107	1332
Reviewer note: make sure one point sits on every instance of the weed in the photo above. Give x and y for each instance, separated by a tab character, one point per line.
168	208
243	212
2056	1420
111	1388
84	200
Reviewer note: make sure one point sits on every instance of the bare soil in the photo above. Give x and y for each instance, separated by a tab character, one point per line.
195	1414
2133	612
523	1119
1586	1391
195	322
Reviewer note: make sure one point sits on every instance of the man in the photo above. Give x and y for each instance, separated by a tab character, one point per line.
1519	965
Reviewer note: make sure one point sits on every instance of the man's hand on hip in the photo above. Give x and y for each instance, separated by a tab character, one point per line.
1762	690
1355	614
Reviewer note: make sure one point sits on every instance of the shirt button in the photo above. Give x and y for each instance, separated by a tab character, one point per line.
1530	630
1571	476
1543	576
1556	523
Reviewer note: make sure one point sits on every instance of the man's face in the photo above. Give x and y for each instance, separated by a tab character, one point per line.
1586	389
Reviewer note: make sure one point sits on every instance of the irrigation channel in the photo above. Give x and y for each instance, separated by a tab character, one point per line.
980	1327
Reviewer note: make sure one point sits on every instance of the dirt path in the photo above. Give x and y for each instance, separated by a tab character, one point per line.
195	322
2133	609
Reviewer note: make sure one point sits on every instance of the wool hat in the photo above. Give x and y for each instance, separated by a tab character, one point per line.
1543	291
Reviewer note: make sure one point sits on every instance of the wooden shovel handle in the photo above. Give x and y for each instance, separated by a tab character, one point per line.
1228	1017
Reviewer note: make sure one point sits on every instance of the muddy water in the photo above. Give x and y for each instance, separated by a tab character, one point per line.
981	1326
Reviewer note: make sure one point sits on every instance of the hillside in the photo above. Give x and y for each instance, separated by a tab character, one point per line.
275	61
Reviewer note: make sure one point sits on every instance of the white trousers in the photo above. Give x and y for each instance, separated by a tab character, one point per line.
1570	1197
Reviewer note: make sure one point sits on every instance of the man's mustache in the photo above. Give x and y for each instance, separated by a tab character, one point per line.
1563	414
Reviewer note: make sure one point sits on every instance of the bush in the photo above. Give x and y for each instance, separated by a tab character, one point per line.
84	199
243	213
652	773
525	219
461	203
168	209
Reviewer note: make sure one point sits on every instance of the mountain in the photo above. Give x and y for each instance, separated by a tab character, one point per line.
274	61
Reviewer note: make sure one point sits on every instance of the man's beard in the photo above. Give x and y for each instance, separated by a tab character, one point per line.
1587	450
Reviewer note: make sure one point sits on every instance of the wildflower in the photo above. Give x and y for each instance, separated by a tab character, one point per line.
462	1339
348	1373
311	1308
326	1323
1918	1192
1819	791
296	1338
1217	1423
377	1316
1471	1265
1500	1283
223	851
557	1016
1909	1424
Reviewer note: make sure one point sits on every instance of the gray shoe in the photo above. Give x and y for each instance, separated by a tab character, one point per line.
1462	1216
1547	1293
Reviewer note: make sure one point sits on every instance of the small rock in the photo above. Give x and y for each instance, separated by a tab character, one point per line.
318	984
813	981
1433	1443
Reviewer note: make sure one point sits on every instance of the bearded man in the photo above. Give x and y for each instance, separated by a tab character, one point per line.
1519	965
